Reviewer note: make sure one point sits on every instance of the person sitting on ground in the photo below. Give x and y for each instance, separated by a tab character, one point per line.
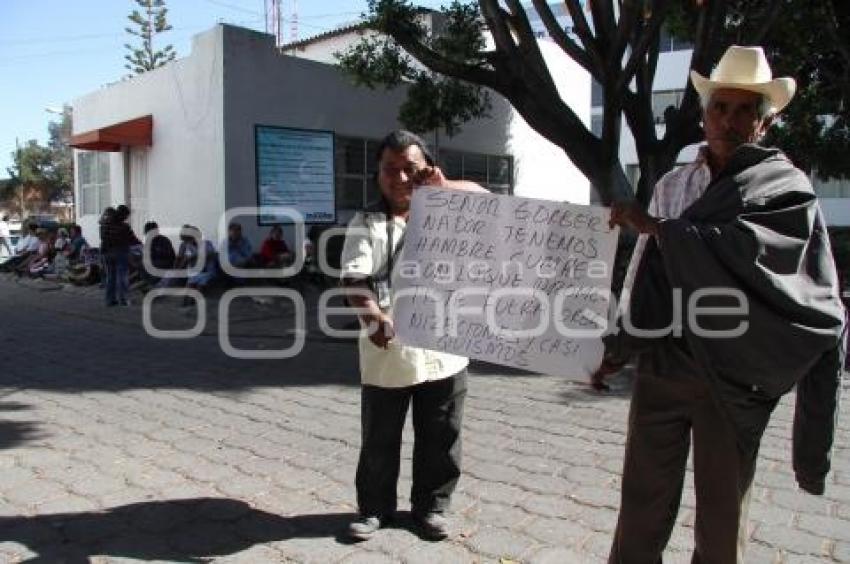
161	253
5	236
62	240
60	259
24	250
239	253
76	244
39	262
274	253
210	272
187	258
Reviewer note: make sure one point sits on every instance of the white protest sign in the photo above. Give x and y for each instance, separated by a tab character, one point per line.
513	281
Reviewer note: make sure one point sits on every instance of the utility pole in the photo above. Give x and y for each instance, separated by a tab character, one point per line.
274	18
20	181
293	30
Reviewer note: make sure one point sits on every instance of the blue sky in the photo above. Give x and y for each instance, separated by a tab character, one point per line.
53	51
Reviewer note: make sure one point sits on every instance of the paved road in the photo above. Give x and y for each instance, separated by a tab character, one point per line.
116	447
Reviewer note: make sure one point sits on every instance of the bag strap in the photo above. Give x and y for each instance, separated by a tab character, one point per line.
392	254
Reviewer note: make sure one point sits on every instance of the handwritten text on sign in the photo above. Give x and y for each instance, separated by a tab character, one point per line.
509	280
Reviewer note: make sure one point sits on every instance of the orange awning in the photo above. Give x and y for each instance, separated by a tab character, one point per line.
133	133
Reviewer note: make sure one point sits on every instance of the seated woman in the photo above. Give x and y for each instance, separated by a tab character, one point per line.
161	252
61	249
39	263
209	273
85	270
187	257
274	253
73	252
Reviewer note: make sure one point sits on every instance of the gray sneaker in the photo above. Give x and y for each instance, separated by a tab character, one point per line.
432	525
365	526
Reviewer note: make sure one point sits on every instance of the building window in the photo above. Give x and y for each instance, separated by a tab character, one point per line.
596	122
832	188
597	96
93	171
662	100
669	43
633	175
494	172
350	172
357	165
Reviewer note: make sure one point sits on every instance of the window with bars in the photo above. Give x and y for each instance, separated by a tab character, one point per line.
494	172
832	188
93	178
669	42
596	123
356	165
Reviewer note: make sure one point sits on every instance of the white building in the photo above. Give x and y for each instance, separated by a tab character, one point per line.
238	124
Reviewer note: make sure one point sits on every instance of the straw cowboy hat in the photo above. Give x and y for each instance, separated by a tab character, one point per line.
746	68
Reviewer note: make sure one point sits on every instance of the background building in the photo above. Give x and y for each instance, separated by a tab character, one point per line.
183	143
671	80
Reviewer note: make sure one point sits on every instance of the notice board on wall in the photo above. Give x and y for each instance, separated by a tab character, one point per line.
295	170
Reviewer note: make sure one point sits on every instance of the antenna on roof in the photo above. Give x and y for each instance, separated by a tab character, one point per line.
293	30
274	20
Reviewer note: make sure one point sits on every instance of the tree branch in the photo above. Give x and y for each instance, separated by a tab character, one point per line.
706	40
834	29
588	58
498	26
443	65
629	14
528	45
771	15
603	23
648	39
583	30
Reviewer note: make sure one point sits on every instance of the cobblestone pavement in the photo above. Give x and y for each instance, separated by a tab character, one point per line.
116	447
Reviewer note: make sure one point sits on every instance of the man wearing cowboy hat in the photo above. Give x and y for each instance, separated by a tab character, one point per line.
738	240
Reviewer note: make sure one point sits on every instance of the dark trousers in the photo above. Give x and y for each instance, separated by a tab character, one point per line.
116	276
437	413
668	414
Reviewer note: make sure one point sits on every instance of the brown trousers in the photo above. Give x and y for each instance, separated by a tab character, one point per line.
665	412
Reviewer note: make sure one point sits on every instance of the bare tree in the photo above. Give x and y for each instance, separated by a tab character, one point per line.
617	43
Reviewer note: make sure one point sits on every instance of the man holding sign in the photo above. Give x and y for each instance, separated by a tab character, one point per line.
394	375
735	301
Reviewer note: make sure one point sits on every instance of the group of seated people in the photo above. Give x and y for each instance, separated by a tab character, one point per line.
63	254
60	254
273	253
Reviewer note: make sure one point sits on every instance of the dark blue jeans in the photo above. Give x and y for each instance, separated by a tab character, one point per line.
117	270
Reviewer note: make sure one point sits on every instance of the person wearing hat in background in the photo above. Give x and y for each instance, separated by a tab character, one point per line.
742	221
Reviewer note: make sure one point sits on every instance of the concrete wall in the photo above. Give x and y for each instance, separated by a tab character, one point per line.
184	167
263	87
543	170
